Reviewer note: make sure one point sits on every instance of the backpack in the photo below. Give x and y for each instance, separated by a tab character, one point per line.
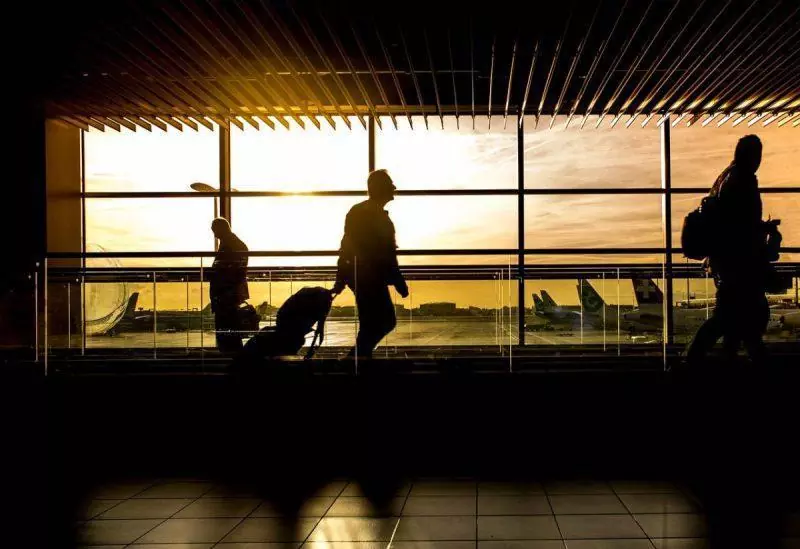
698	234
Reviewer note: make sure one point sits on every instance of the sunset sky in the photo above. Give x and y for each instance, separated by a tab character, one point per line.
436	158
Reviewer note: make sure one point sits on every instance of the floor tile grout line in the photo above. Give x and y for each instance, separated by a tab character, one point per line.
94	517
477	510
250	515
553	514
171	516
121	500
311	531
400	517
261	501
235	526
630	513
333	501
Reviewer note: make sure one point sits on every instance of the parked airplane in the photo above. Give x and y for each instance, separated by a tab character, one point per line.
649	312
551	303
597	313
141	320
687	319
107	324
775	302
551	315
646	317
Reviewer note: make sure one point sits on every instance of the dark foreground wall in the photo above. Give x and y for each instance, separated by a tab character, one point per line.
581	424
730	434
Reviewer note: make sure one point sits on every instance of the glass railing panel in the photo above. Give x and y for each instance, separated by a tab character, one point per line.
693	298
444	315
61	311
784	319
577	305
584	304
569	309
183	318
118	310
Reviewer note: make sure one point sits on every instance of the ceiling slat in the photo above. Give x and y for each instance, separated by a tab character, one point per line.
173	63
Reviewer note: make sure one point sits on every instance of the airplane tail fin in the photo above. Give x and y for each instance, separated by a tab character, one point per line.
548	300
647	293
130	308
539	305
591	301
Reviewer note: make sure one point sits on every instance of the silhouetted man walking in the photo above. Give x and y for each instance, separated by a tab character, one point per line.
368	264
228	285
739	265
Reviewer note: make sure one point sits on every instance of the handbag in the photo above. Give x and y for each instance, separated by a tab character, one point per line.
248	318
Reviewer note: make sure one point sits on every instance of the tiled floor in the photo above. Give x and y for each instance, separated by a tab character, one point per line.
422	515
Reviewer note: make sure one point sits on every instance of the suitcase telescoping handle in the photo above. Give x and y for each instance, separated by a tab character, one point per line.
319	333
319	336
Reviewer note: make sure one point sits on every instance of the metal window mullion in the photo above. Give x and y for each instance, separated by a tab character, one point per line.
225	173
520	231
371	144
83	242
666	215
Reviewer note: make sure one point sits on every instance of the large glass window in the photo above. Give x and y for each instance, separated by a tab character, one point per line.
150	224
457	156
421	222
156	161
593	221
699	154
571	158
298	159
457	298
783	206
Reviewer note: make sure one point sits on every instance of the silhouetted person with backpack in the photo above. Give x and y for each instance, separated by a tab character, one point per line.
368	264
228	286
739	261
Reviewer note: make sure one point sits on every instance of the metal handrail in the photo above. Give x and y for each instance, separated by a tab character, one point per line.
412	272
511	190
409	252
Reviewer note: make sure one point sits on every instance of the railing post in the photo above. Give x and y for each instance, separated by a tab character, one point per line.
155	318
202	308
46	341
83	306
666	217
69	315
36	313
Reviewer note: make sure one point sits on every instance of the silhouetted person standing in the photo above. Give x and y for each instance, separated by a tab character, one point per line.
228	285
368	264
740	263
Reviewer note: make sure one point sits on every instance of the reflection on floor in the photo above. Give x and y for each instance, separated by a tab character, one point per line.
429	514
